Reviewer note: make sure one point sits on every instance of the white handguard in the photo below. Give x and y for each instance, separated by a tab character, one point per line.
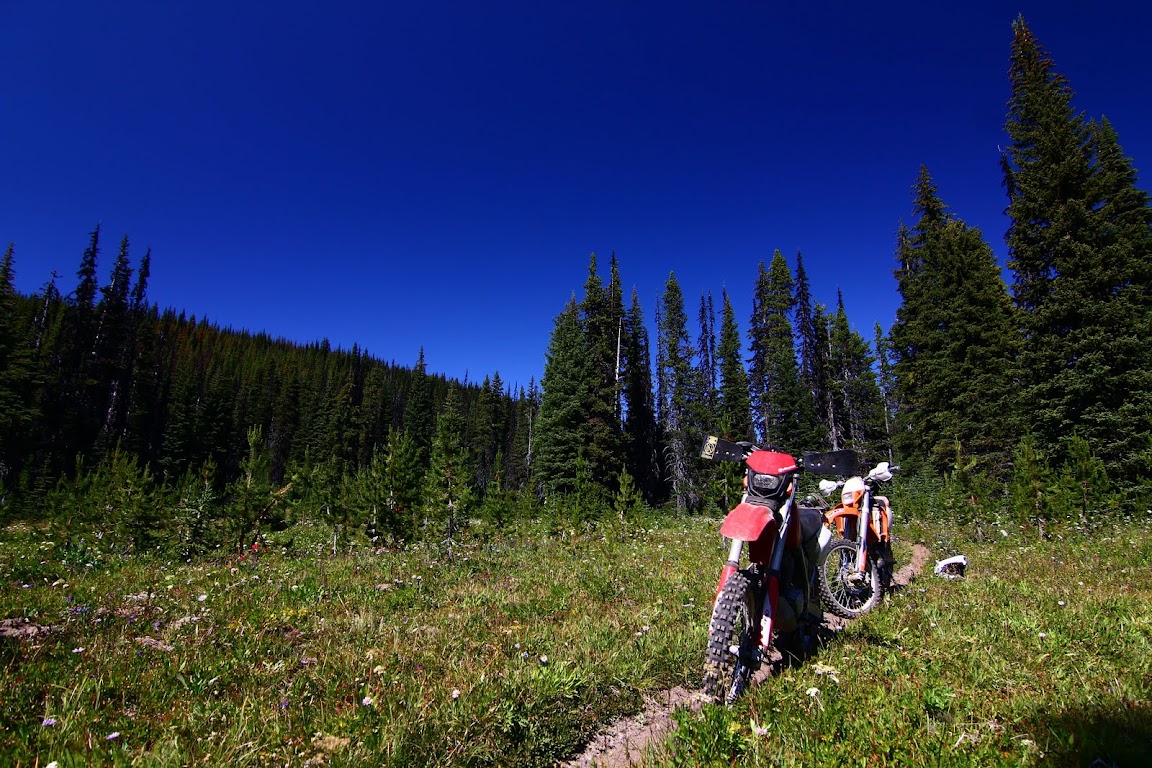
880	472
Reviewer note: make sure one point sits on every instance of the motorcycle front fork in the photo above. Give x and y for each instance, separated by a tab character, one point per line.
770	591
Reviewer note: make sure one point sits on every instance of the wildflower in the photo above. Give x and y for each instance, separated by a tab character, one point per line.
366	701
543	659
78	650
1061	603
113	735
455	693
202	598
48	721
1043	635
759	730
813	692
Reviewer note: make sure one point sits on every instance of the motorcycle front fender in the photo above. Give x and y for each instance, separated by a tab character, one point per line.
746	522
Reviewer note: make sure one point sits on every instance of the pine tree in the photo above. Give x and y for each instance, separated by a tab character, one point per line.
1079	251
706	347
953	341
734	407
113	352
887	384
601	431
448	491
17	378
642	439
855	393
682	407
781	406
560	430
419	414
813	363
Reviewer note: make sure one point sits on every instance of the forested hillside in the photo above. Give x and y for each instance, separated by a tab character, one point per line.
165	427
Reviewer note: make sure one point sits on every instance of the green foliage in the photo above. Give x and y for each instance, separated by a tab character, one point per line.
629	503
712	737
1080	249
782	407
449	496
954	341
680	395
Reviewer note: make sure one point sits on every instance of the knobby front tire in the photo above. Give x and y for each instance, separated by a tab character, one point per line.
846	591
733	643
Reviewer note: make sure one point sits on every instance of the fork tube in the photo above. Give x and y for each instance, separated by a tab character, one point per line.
732	565
863	523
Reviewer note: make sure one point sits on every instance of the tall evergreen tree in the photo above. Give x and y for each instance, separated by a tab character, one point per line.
17	378
855	394
1079	250
706	347
601	432
779	399
448	493
887	382
811	339
642	439
682	411
561	428
734	407
954	340
419	413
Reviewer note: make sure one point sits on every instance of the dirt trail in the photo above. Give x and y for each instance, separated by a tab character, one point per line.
623	743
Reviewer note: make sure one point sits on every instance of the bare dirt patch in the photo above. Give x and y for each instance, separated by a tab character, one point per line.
625	742
22	629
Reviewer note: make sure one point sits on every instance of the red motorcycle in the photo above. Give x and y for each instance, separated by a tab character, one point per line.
775	597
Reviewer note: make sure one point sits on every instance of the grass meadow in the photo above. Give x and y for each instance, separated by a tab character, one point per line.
515	650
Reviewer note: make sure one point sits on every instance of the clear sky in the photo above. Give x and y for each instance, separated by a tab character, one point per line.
436	173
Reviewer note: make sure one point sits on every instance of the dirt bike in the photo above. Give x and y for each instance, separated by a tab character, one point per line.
858	569
775	598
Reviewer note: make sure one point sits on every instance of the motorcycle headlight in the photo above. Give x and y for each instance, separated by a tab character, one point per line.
765	484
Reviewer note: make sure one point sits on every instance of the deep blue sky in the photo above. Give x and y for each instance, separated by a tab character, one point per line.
437	173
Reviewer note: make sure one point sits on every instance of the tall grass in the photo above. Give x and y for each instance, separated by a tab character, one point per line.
517	648
1042	655
511	653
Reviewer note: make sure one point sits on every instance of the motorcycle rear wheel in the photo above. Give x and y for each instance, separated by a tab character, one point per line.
733	654
847	591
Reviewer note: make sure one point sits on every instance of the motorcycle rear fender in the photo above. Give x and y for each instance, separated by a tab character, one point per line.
746	522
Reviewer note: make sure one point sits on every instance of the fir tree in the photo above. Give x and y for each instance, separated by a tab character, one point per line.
682	407
706	346
781	405
813	363
601	431
953	341
448	489
1079	251
641	435
560	430
855	392
17	378
734	408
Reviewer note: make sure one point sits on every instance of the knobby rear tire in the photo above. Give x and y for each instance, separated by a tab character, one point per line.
734	618
846	591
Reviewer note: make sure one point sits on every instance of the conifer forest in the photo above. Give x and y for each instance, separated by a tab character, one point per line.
1035	393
